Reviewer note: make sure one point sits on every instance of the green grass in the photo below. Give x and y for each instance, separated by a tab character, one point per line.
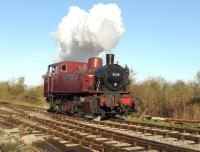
36	104
164	123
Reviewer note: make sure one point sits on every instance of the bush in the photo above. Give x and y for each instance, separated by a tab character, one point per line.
17	91
162	98
4	89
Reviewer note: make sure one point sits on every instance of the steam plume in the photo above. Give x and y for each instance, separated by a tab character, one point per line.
84	34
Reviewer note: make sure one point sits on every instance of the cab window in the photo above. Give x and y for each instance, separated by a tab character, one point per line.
64	68
53	69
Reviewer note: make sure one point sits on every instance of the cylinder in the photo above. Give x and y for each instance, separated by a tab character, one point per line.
94	63
109	59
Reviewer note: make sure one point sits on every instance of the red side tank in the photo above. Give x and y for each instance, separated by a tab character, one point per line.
94	63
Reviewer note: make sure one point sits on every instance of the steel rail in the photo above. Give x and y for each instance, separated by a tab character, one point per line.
172	128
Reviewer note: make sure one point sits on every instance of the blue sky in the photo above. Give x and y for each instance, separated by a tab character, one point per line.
162	38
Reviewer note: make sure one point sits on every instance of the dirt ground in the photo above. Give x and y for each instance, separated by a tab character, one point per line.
12	140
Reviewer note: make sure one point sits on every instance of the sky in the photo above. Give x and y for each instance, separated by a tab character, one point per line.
162	38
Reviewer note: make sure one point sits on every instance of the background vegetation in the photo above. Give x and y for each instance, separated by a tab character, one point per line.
167	99
16	92
160	97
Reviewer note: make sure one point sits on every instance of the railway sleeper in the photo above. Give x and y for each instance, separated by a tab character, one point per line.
166	133
172	148
77	137
72	138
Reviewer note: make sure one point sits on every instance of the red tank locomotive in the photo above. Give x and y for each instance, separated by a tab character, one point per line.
79	88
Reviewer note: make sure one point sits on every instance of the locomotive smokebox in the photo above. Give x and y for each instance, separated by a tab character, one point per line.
109	59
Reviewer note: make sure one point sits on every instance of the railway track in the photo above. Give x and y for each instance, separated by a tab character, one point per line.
123	123
166	131
67	132
66	127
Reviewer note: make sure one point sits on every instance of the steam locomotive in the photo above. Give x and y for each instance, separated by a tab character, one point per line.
89	89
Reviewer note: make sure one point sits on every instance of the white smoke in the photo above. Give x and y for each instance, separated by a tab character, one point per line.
84	34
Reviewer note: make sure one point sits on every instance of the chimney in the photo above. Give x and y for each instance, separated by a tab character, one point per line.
109	59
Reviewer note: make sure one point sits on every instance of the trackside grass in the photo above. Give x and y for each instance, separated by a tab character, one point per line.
38	104
164	123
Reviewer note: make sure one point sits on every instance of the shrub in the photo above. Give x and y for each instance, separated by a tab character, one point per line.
162	98
17	91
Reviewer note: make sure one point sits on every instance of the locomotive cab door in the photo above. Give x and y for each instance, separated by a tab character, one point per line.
47	85
48	80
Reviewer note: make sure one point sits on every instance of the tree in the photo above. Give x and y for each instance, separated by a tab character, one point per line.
20	80
198	77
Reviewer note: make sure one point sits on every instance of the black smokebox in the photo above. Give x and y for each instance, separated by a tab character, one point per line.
109	59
